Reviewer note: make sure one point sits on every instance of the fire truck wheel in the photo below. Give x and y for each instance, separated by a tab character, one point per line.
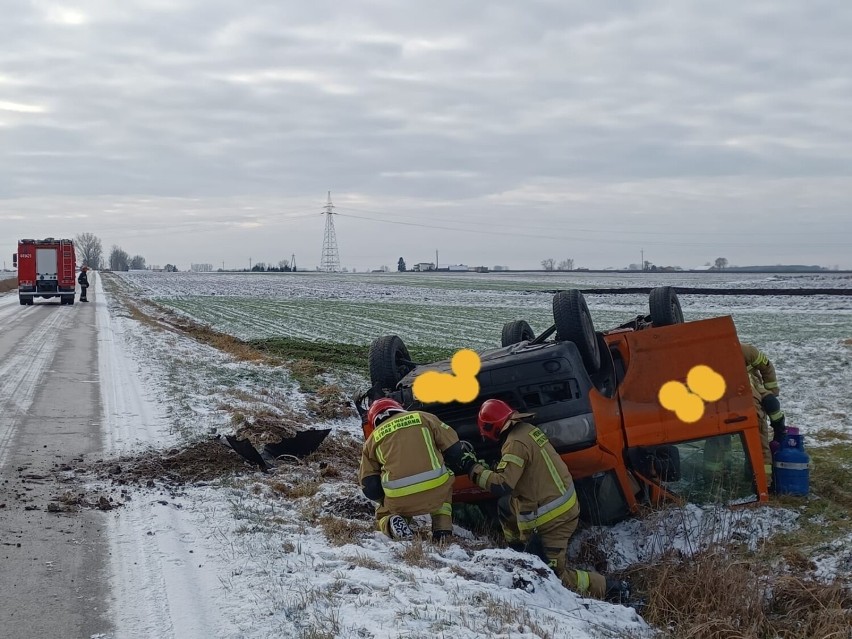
515	332
389	361
574	324
665	306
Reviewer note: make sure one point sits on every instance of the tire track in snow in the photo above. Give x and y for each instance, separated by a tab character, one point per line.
21	371
158	588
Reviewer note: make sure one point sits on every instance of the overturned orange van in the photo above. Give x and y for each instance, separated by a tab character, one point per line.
596	396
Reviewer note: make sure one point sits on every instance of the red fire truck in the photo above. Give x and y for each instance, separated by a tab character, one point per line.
45	269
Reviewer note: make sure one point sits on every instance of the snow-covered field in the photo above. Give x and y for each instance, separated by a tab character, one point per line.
809	338
260	561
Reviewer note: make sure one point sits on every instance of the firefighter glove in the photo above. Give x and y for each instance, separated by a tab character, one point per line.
475	471
467	462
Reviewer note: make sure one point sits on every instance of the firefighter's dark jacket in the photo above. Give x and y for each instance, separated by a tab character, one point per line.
83	279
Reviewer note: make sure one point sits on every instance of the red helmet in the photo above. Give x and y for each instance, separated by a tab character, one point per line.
493	415
381	409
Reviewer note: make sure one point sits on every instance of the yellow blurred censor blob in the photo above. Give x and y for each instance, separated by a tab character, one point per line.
706	383
703	384
459	386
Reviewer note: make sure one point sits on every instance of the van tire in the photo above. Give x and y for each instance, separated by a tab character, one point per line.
515	332
389	361
665	306
574	324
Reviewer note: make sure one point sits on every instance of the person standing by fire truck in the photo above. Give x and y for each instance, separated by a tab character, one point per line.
83	281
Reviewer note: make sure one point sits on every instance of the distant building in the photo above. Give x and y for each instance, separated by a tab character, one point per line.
423	266
201	268
458	267
480	269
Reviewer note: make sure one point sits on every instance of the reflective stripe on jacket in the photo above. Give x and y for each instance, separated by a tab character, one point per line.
405	451
530	467
761	372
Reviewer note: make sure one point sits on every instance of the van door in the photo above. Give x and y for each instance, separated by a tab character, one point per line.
723	444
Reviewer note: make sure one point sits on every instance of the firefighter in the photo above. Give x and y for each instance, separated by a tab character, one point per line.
765	390
83	281
404	468
543	509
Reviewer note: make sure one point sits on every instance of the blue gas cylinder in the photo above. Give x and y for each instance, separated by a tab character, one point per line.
791	465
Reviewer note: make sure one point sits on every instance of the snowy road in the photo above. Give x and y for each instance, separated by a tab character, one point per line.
52	566
68	389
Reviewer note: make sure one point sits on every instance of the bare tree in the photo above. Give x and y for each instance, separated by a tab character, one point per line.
566	265
137	263
549	264
721	262
283	265
118	259
89	250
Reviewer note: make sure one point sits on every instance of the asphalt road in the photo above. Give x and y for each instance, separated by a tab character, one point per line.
52	565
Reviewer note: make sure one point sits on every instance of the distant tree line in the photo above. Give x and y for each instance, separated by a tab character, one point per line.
550	264
90	253
284	266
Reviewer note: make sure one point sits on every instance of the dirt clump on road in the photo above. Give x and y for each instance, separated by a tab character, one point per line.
199	462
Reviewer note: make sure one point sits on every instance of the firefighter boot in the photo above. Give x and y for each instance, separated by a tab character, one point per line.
398	528
772	407
779	429
441	536
617	590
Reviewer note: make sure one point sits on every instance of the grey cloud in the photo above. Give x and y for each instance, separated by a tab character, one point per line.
441	105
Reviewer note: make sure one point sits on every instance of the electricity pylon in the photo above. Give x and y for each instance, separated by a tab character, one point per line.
330	261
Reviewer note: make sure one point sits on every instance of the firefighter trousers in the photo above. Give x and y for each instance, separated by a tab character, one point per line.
437	502
555	536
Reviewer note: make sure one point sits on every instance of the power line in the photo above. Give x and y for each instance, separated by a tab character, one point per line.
571	227
551	236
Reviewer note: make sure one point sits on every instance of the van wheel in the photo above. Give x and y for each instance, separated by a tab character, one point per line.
665	306
574	324
515	332
389	361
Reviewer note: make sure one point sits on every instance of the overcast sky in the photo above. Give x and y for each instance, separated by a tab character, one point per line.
494	132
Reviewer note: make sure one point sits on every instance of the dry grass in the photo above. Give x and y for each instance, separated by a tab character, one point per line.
366	562
339	451
339	531
715	595
306	488
833	434
330	402
505	618
8	284
414	554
